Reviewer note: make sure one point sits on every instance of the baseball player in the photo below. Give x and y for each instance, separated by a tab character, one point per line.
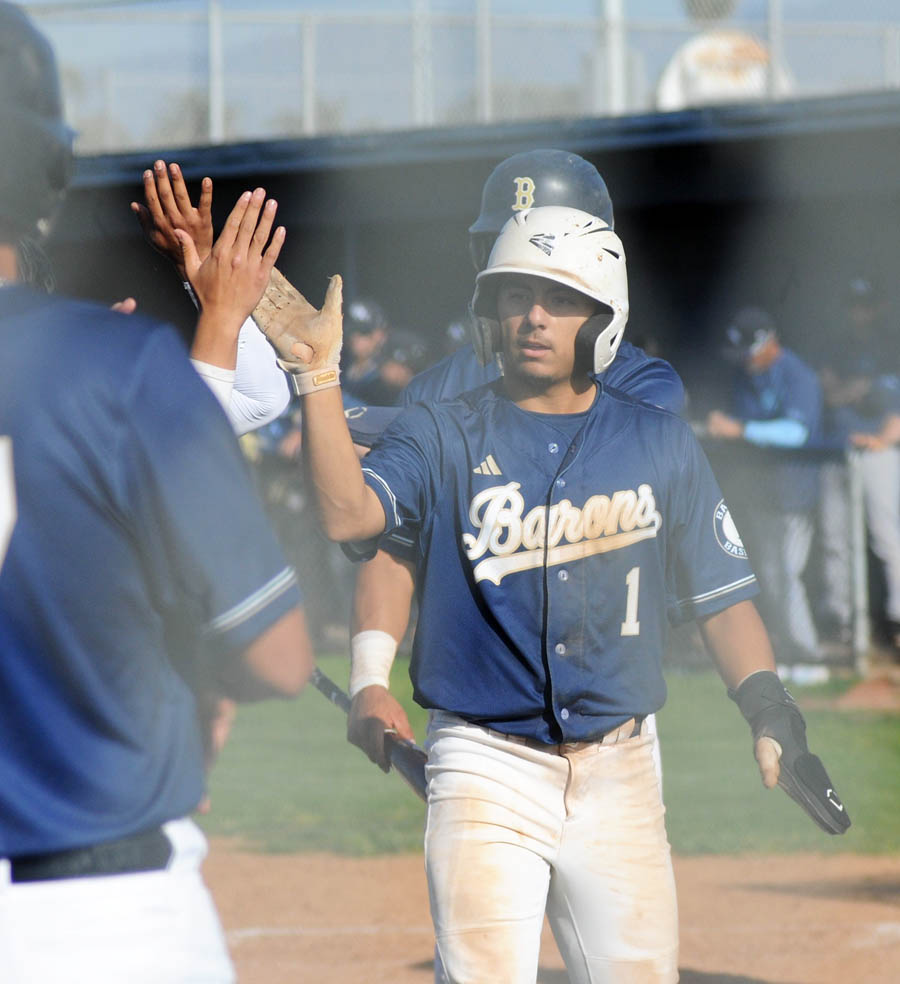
559	523
385	584
777	403
861	381
124	505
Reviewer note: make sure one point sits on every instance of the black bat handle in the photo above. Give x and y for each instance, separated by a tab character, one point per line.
325	685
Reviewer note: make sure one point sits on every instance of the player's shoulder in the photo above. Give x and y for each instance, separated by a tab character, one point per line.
68	319
646	377
455	373
640	413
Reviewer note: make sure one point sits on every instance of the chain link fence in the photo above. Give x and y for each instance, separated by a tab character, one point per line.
189	72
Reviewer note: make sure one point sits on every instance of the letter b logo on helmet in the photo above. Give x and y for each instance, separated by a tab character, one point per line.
534	179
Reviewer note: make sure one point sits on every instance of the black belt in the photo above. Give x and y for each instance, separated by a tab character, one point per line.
149	850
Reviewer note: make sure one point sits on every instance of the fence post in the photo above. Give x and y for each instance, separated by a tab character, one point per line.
860	571
484	108
422	94
308	39
615	56
216	80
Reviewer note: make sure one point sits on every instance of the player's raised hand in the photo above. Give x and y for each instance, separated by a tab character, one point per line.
373	712
308	340
231	279
168	208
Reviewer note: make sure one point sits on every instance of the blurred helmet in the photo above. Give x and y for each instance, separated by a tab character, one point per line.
533	179
567	246
363	316
748	332
36	147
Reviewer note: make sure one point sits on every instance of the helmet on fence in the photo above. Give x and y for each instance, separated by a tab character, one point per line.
533	179
567	246
36	149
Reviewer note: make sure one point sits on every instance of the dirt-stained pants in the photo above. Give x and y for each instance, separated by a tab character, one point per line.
576	830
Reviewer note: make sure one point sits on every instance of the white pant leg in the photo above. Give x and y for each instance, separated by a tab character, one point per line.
794	545
612	902
834	519
502	816
494	820
650	725
157	927
880	472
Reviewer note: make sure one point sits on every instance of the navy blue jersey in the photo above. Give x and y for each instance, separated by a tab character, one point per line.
563	643
632	371
139	542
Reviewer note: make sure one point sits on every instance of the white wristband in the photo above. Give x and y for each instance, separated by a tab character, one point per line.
311	382
372	654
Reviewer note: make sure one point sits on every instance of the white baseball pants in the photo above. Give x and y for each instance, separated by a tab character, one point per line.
577	831
156	927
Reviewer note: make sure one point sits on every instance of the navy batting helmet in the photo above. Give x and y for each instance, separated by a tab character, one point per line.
36	148
530	180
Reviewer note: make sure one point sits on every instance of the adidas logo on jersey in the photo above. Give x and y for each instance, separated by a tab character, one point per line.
487	467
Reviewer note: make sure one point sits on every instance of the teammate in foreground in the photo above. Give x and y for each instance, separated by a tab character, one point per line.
130	538
559	524
385	584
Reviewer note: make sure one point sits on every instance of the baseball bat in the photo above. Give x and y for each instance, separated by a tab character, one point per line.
407	758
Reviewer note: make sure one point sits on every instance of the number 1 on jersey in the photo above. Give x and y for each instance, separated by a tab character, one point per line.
631	626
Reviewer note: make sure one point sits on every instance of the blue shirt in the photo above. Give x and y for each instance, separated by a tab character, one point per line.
789	390
562	646
139	544
632	371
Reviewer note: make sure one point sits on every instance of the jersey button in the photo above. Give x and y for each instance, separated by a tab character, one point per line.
560	649
563	575
553	447
564	714
561	483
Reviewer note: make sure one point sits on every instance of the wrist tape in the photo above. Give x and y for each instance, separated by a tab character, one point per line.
372	654
312	381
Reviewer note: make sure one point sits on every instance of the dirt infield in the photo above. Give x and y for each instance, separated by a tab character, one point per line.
797	919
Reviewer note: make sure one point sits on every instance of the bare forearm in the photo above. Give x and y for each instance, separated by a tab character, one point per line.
216	339
738	642
348	508
383	595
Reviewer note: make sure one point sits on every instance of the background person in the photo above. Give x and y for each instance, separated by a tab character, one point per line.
860	376
776	403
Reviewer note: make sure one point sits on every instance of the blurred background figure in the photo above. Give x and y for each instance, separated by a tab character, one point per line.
776	403
366	331
719	65
405	355
861	380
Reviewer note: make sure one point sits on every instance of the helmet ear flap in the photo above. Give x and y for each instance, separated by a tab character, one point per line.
485	339
598	340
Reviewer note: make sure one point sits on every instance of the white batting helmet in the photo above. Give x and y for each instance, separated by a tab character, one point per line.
569	247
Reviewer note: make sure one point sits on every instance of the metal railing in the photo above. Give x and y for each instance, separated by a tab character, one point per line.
187	72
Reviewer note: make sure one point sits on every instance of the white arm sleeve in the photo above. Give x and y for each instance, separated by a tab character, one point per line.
219	380
261	390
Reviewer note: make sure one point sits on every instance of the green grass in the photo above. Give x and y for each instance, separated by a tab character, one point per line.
289	781
716	803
